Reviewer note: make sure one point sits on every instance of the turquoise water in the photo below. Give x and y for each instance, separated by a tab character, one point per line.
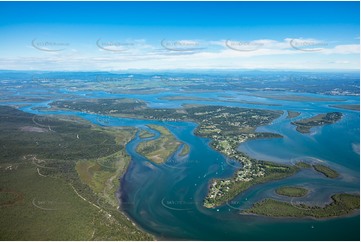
166	199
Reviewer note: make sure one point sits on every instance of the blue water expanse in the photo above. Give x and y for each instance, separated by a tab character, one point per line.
166	199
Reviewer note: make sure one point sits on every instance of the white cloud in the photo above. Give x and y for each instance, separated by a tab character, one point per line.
343	50
289	53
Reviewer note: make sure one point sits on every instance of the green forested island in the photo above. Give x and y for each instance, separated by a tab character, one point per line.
305	125
342	204
325	170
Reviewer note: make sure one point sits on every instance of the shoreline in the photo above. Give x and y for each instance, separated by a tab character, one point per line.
340	201
119	194
125	214
307	218
197	124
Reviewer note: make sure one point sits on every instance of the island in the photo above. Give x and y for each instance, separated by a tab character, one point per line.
292	114
59	174
304	126
327	171
158	150
291	191
185	150
342	204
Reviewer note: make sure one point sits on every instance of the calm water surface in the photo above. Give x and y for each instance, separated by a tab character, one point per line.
166	199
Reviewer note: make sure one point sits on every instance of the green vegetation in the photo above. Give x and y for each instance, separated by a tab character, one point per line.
66	138
185	151
145	134
355	107
292	191
303	165
292	114
102	106
41	194
327	171
305	125
158	150
9	198
102	174
49	209
232	116
342	204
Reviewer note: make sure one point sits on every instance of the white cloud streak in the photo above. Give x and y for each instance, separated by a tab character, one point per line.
194	54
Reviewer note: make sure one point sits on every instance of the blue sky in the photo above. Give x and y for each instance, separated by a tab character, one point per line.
179	35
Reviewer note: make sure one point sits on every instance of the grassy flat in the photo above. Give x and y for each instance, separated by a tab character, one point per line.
102	174
158	150
342	204
185	151
292	191
292	114
327	171
145	134
302	164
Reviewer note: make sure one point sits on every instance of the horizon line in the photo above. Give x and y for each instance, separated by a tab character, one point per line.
190	70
